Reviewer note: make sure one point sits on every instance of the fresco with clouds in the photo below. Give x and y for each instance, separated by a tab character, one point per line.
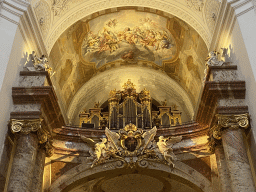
128	35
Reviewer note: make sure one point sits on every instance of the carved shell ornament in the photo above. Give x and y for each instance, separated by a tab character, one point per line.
132	147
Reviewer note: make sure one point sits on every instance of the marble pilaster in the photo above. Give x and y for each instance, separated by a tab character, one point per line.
237	161
224	177
234	168
23	163
37	181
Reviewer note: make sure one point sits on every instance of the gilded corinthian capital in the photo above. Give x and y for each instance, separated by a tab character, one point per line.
25	126
33	125
233	121
226	122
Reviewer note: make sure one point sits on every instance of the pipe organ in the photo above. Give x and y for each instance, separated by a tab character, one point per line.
128	106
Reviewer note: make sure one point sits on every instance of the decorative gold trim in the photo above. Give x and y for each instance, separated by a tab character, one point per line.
233	121
25	126
132	146
33	125
226	122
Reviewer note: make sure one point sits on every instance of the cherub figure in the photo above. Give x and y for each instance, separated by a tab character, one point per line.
104	150
212	59
40	64
97	150
165	147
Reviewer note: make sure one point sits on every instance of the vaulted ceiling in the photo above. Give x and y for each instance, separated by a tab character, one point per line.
99	49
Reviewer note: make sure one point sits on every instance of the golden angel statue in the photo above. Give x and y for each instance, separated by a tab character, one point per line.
104	150
165	148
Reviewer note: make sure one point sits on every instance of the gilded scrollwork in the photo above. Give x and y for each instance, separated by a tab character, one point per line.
25	126
243	120
49	149
129	85
16	126
33	125
226	122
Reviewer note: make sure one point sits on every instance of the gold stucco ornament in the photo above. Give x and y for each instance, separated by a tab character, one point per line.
132	146
40	64
226	122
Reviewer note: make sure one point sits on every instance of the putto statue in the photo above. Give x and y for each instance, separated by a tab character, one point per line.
131	146
165	147
97	150
212	59
40	64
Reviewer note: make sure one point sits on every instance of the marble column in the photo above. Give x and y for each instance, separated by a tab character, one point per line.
23	163
237	160
37	180
224	177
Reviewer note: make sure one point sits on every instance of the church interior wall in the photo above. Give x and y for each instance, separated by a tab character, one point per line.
239	56
17	59
16	50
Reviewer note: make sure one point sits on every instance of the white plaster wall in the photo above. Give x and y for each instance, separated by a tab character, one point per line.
246	68
11	63
240	57
7	33
246	17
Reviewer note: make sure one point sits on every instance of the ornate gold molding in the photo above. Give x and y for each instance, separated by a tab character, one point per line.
132	146
25	126
226	122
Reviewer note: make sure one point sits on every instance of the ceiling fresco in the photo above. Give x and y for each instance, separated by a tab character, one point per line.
128	38
128	35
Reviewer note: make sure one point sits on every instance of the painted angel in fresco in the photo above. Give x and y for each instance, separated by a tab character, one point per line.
130	43
165	147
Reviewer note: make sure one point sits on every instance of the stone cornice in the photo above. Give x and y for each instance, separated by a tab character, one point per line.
44	95
216	90
13	10
187	131
242	6
41	119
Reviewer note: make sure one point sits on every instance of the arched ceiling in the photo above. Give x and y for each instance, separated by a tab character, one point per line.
87	38
134	183
55	16
160	85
